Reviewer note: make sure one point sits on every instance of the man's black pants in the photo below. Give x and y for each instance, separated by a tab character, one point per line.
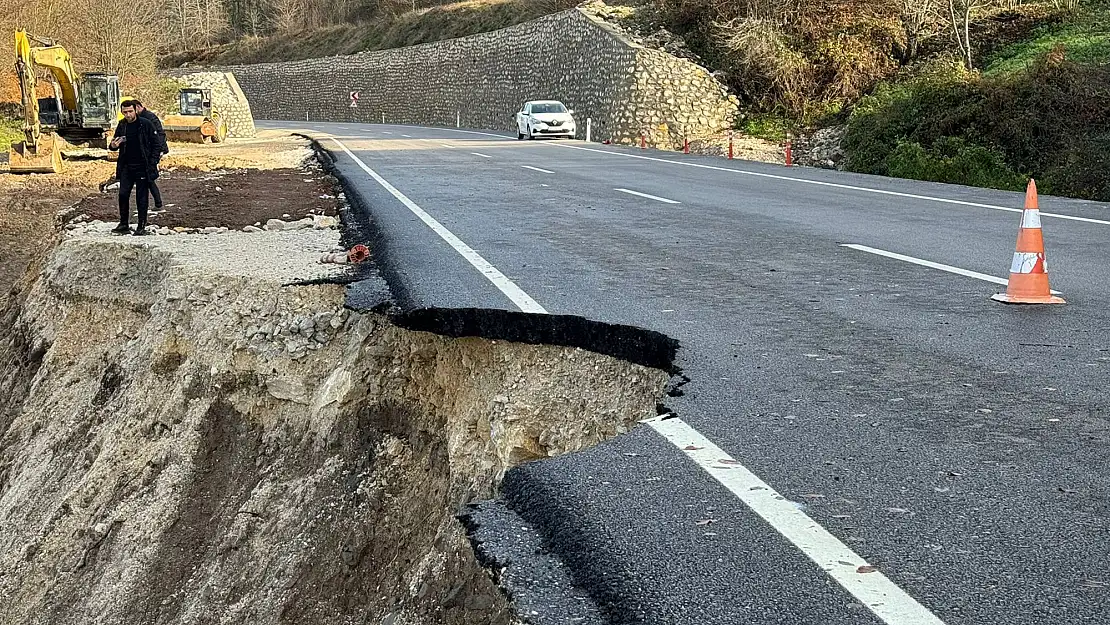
155	193
133	177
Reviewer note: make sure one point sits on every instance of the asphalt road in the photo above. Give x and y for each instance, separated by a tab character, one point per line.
957	444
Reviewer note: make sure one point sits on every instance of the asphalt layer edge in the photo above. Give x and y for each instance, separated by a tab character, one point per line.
629	343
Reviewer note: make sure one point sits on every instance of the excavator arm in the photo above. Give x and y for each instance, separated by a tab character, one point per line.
39	152
25	70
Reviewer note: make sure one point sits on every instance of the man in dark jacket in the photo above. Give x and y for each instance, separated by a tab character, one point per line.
139	151
163	147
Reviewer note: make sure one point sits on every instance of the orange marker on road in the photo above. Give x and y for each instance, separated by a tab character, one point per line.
1029	270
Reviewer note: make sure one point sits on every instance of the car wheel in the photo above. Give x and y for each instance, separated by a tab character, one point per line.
519	135
531	136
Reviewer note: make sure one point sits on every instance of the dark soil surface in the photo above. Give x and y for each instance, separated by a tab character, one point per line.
198	199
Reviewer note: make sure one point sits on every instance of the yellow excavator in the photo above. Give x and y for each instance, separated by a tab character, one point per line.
83	109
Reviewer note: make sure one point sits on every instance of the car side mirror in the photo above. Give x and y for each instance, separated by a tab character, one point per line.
570	112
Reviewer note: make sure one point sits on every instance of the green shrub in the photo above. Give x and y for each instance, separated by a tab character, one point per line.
1050	120
11	131
955	161
767	126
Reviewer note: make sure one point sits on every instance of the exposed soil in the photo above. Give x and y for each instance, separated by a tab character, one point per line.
233	199
28	210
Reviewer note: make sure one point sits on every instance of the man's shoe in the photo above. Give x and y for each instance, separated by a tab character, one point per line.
140	230
121	229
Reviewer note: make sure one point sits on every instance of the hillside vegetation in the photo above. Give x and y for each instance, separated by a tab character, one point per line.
1037	107
387	31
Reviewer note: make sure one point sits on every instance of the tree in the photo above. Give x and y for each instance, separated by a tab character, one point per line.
920	20
959	13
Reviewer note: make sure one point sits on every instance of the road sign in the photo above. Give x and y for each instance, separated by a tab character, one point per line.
354	99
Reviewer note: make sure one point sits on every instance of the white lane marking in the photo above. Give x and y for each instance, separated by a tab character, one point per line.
447	146
542	171
873	589
406	136
482	155
386	132
930	264
474	132
834	185
515	294
650	197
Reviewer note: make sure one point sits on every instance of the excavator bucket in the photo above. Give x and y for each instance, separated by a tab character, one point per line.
47	159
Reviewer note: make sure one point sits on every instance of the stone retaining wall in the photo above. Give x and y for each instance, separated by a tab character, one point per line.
570	56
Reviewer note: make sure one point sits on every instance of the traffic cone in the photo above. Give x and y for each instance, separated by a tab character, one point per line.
1029	270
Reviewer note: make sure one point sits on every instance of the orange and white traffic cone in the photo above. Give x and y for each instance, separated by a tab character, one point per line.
1029	270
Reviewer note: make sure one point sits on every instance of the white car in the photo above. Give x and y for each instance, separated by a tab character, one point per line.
546	118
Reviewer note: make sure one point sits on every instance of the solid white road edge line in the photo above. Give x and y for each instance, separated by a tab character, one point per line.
650	197
542	171
930	264
885	599
515	294
873	589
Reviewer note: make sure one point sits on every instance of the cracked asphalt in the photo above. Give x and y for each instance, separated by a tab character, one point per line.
957	444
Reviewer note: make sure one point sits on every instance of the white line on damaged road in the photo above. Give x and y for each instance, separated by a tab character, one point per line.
499	280
835	185
886	600
873	589
542	171
930	264
650	197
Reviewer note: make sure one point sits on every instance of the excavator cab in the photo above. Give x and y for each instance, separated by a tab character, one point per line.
99	100
195	102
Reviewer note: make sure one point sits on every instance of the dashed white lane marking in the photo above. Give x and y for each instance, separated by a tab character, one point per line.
834	185
650	197
930	264
515	294
406	136
873	589
482	155
446	146
885	599
542	171
386	132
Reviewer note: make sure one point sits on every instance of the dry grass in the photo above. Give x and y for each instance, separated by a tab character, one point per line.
423	26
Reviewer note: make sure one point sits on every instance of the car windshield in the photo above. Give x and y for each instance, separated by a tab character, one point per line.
549	107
